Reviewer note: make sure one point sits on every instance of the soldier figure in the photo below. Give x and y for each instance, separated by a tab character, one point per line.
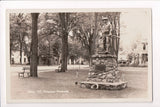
106	34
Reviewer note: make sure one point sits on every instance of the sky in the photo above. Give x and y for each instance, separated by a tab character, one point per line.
135	25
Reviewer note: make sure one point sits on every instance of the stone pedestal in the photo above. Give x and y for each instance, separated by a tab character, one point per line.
104	68
104	73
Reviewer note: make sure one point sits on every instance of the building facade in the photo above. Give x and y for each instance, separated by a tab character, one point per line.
141	53
15	58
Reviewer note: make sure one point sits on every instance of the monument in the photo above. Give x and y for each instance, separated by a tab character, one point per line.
104	73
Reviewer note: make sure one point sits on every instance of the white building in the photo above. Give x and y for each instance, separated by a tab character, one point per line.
15	58
142	53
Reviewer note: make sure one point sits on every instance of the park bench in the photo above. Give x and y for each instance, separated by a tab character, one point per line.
21	74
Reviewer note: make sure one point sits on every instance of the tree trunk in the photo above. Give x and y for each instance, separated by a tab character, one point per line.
90	56
11	53
94	33
21	52
90	49
64	22
66	56
63	67
64	52
92	39
34	46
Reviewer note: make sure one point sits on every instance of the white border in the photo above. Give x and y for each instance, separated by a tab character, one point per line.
85	4
146	99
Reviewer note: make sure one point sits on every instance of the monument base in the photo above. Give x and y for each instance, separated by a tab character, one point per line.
103	85
104	73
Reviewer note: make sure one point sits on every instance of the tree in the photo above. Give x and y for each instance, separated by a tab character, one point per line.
75	50
64	19
19	30
34	46
49	37
86	31
56	49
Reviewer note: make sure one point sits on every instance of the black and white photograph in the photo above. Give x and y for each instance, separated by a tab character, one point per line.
79	55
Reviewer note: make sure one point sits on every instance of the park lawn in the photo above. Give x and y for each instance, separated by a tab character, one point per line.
53	85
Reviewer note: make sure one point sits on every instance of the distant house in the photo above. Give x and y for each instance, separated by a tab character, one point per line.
139	55
142	53
15	58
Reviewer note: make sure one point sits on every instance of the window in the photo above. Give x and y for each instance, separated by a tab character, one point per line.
144	46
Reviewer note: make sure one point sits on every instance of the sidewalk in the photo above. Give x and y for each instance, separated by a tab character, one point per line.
16	68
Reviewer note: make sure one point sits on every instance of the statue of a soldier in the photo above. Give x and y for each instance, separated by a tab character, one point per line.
106	32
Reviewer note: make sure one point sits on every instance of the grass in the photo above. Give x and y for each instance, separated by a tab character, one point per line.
52	85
